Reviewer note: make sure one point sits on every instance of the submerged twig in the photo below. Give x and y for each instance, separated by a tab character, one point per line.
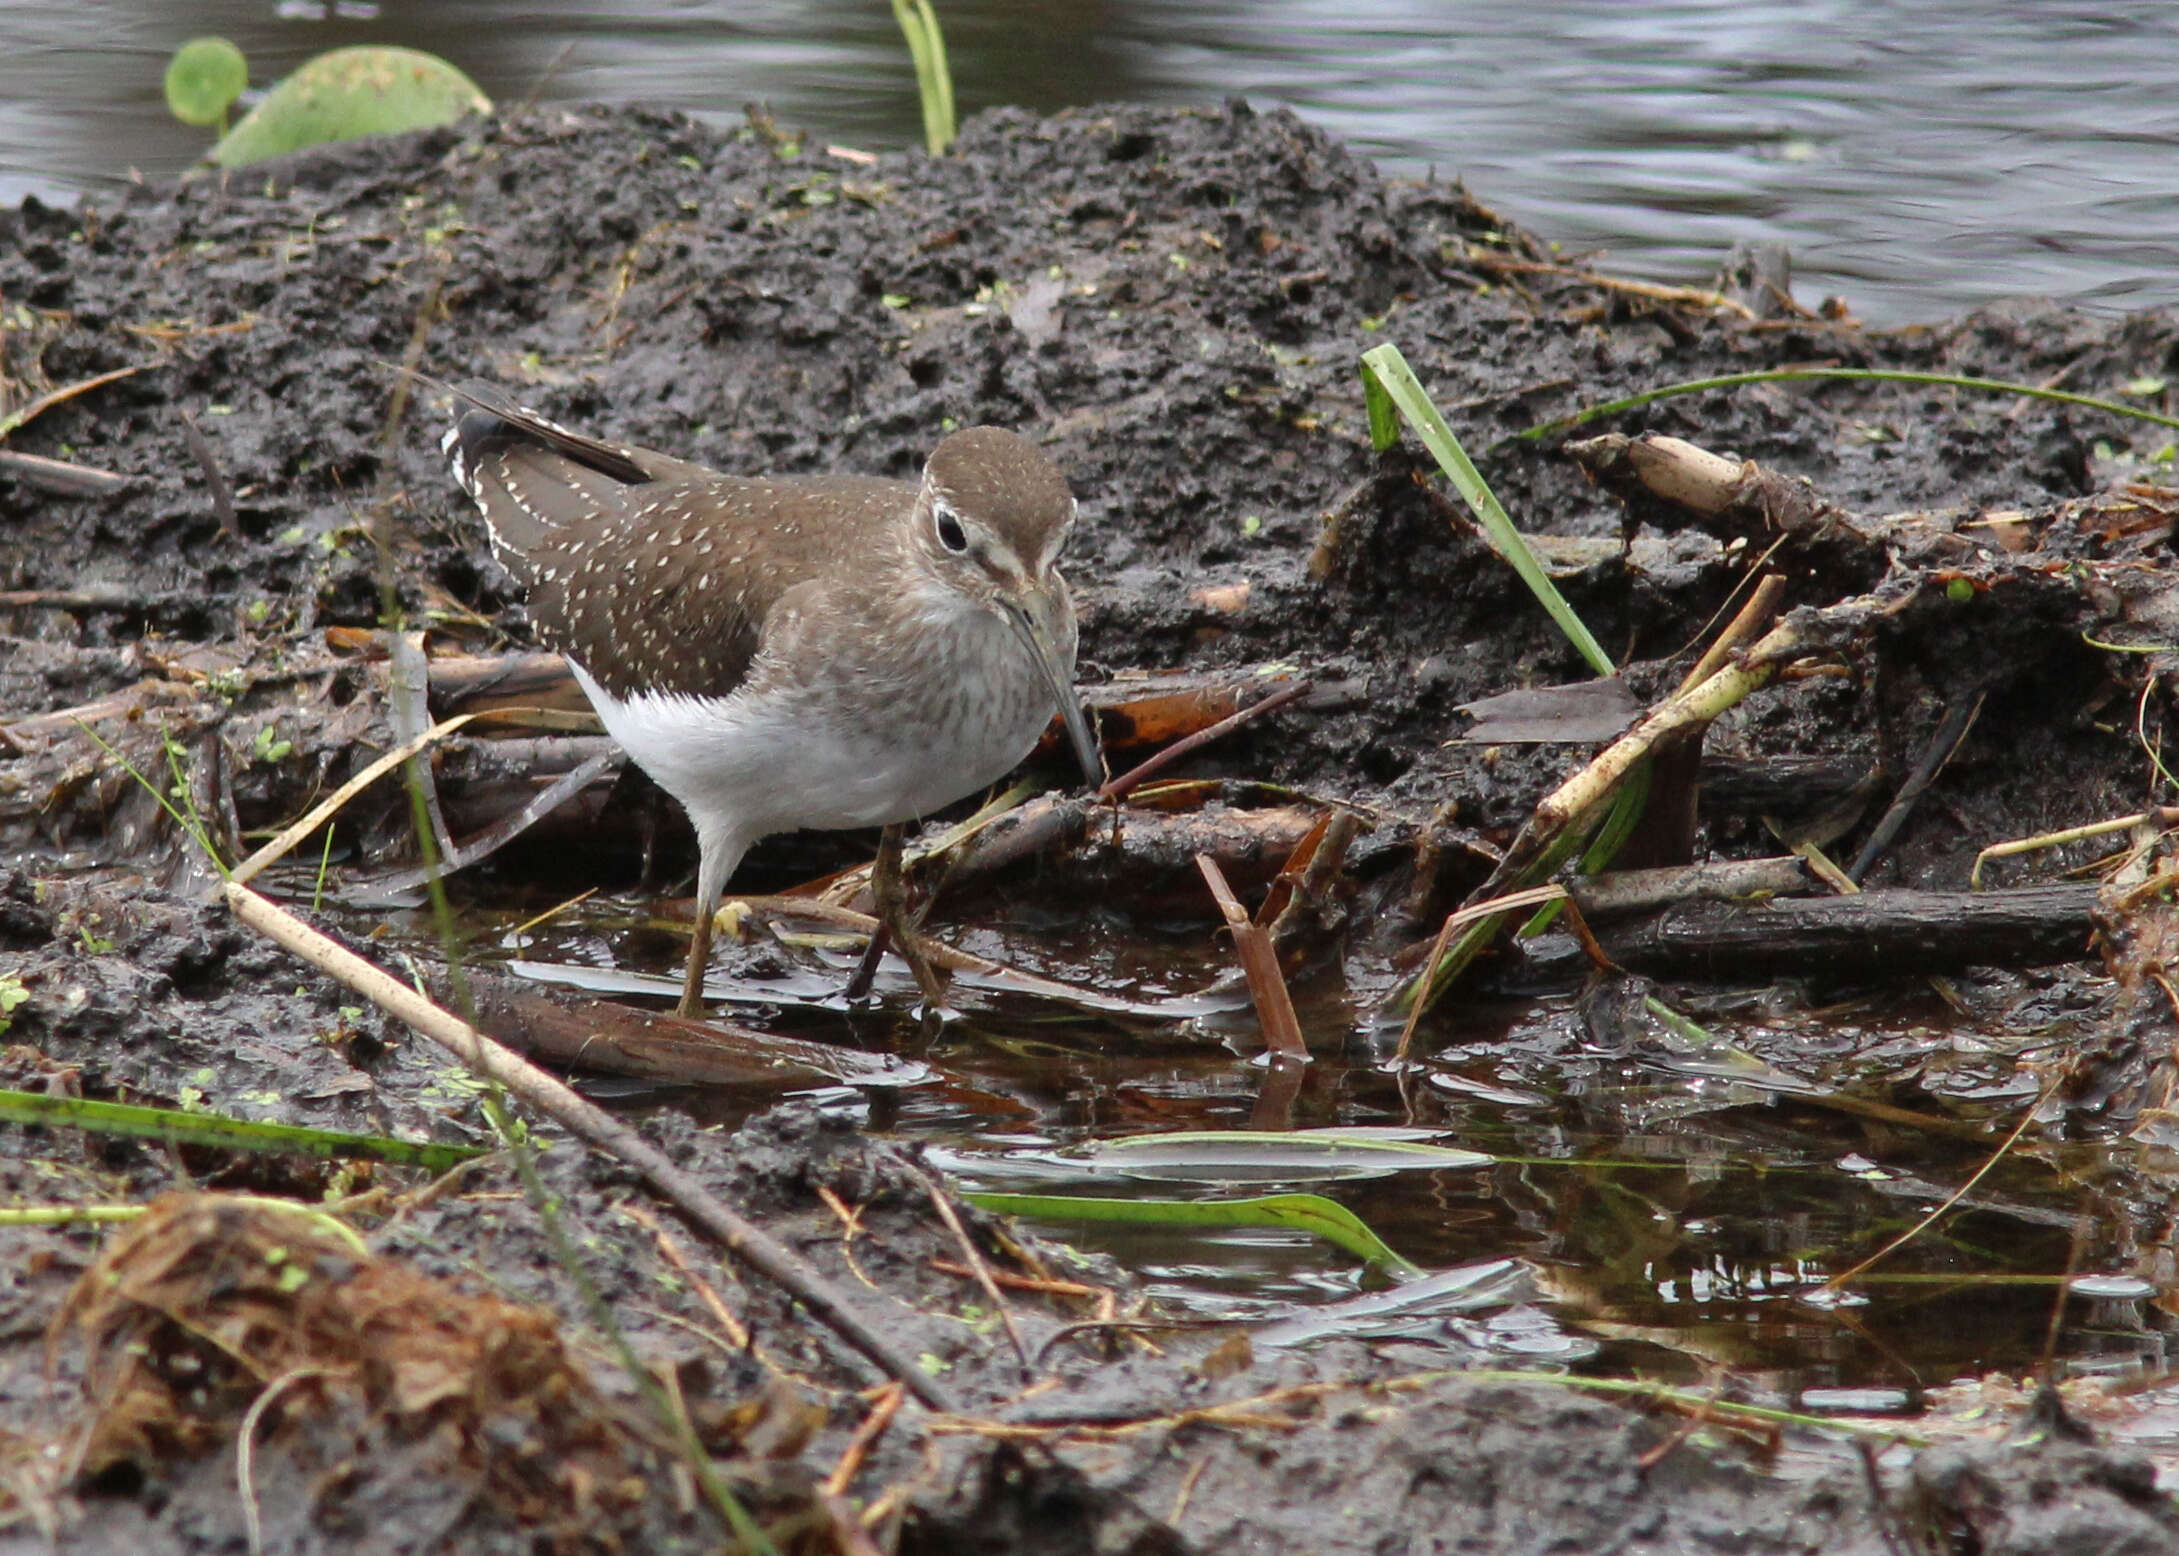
592	1124
1260	961
1838	1283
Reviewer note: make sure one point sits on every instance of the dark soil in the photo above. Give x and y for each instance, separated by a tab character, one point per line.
1173	304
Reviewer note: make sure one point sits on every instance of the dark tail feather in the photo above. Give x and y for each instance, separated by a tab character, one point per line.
495	422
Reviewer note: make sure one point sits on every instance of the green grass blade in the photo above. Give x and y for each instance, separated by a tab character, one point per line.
1384	416
192	825
1431	982
1864	374
1311	1213
1275	1151
933	76
235	1134
68	1215
1397	380
1628	807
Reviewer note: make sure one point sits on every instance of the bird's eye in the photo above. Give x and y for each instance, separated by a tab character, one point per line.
950	533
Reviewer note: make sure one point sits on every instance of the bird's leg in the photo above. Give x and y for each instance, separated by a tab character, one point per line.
886	867
889	903
692	982
717	861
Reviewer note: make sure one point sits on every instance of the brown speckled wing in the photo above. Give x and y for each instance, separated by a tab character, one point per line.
652	573
530	476
671	594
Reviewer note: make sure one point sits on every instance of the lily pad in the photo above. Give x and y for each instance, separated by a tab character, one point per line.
349	93
203	79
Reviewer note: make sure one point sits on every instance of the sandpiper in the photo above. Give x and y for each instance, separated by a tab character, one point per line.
790	651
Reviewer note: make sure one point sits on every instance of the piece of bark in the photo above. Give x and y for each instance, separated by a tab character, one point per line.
1759	785
575	1031
1622	892
1874	934
60	476
1147	854
478	684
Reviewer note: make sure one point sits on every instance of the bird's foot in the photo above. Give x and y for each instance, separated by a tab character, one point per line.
896	927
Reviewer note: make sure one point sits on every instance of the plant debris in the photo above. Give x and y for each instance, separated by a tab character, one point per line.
212	490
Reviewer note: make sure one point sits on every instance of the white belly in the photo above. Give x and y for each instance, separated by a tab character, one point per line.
752	764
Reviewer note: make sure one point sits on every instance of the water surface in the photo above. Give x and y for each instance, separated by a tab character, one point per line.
1917	158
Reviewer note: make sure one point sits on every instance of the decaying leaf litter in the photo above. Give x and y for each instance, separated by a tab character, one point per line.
1174	304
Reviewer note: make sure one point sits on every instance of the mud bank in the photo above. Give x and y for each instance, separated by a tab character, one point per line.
1172	303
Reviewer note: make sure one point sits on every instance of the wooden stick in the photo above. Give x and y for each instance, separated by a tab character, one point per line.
63	395
1134	778
61	476
592	1124
324	810
1260	961
976	1262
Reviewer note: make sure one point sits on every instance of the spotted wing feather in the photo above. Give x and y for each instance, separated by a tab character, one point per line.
532	478
652	573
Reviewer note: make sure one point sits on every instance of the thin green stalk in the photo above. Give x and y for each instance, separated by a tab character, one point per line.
523	1154
1865	374
68	1215
933	76
325	861
211	1129
192	826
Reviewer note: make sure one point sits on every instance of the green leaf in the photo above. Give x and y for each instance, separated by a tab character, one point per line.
369	90
1238	1155
203	79
122	1118
933	76
1397	380
1384	416
1311	1213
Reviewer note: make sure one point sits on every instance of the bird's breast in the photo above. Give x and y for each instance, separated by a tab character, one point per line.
886	728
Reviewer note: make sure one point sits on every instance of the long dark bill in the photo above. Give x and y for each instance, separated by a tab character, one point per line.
1037	638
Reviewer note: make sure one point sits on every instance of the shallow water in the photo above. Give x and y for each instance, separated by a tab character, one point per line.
1918	159
1677	1221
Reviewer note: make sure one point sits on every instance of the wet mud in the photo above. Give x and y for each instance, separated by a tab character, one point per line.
1172	304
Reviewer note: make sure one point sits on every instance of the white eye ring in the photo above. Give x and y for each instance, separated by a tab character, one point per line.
948	525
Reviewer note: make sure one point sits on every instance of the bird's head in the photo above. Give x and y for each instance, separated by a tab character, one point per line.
991	518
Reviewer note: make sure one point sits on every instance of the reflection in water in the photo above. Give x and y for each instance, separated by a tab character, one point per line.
1916	158
1664	1225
